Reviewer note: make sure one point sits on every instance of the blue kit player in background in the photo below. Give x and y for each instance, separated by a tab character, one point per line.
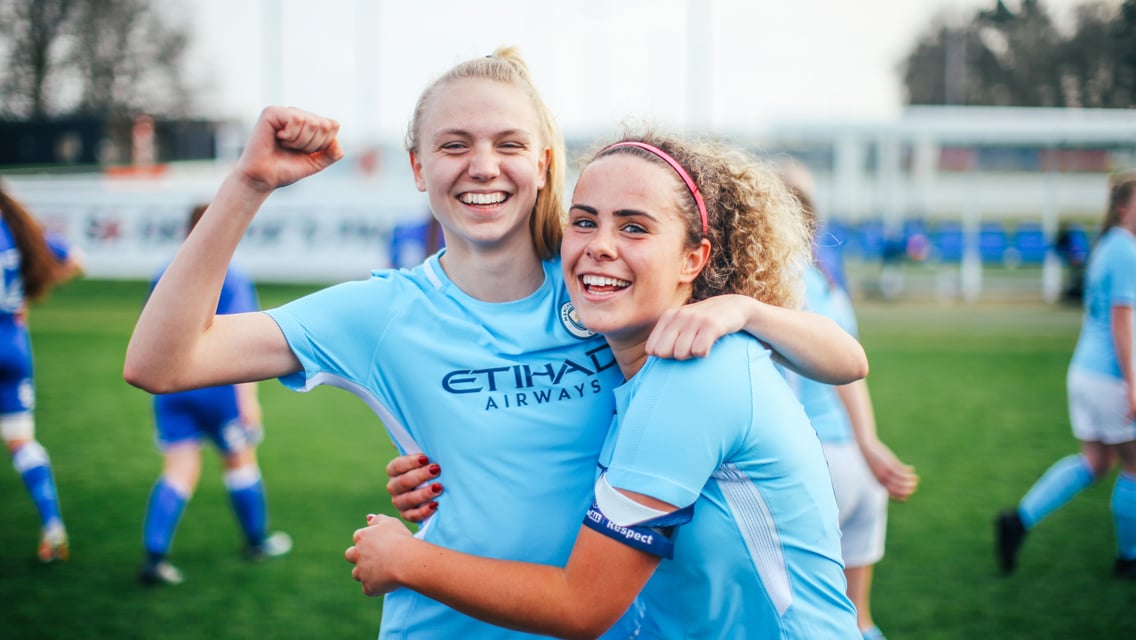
32	262
230	417
865	472
711	494
1102	394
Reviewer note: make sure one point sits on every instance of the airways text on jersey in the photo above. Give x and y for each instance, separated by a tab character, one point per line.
519	385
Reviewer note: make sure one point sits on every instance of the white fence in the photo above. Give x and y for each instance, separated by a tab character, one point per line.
325	229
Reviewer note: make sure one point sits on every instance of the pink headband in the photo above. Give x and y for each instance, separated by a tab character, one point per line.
665	157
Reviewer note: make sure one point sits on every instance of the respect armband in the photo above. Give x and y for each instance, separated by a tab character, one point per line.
654	536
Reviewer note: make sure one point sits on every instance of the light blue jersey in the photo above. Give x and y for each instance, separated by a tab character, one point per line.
449	374
1110	281
821	402
761	556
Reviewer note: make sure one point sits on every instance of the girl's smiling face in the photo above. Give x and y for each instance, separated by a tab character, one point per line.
624	253
481	161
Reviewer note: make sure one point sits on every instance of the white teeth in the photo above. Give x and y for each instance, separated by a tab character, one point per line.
604	281
482	198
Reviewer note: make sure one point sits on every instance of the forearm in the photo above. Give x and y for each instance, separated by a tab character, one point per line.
72	267
582	600
809	343
183	304
248	403
1122	341
893	474
523	596
857	403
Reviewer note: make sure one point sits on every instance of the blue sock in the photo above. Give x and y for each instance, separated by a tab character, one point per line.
1124	514
1065	478
163	513
34	467
246	492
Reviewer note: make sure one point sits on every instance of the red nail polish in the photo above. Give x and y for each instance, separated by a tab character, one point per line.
435	488
423	460
435	469
433	506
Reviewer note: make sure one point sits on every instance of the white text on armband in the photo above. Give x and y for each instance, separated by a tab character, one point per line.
631	534
641	537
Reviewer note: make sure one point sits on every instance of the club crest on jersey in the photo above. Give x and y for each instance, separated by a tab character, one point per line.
571	322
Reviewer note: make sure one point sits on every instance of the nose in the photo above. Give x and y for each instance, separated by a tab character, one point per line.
484	163
602	243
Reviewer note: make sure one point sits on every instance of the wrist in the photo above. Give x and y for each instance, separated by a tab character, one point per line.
248	186
406	560
754	313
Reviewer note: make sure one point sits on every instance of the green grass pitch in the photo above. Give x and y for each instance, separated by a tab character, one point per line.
973	395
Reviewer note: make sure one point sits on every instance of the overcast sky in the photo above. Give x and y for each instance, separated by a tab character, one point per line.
595	61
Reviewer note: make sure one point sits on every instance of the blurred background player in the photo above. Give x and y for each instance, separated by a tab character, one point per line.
32	262
1102	394
865	471
230	416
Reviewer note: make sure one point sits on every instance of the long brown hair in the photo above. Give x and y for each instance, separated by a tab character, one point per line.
1121	192
38	265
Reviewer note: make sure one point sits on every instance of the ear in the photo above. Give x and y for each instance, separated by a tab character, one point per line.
416	167
542	163
694	260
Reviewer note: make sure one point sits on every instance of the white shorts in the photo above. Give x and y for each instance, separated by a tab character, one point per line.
17	426
1098	407
861	502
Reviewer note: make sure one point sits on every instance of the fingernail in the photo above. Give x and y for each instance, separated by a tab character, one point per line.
433	506
435	488
435	469
423	460
370	518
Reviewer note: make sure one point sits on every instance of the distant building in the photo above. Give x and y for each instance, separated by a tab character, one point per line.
106	142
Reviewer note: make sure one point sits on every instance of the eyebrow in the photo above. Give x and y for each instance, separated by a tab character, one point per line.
619	213
507	133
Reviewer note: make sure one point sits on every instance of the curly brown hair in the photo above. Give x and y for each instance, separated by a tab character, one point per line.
39	267
507	67
759	237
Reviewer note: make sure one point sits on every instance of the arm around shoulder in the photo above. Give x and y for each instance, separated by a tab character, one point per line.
809	343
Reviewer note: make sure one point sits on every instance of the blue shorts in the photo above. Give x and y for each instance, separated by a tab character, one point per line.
190	416
16	388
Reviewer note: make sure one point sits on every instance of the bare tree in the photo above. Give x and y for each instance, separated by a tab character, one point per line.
1007	56
127	58
935	70
1017	57
1099	61
31	33
95	57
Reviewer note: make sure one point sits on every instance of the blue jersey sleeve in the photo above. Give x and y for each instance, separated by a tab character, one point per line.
337	331
680	420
